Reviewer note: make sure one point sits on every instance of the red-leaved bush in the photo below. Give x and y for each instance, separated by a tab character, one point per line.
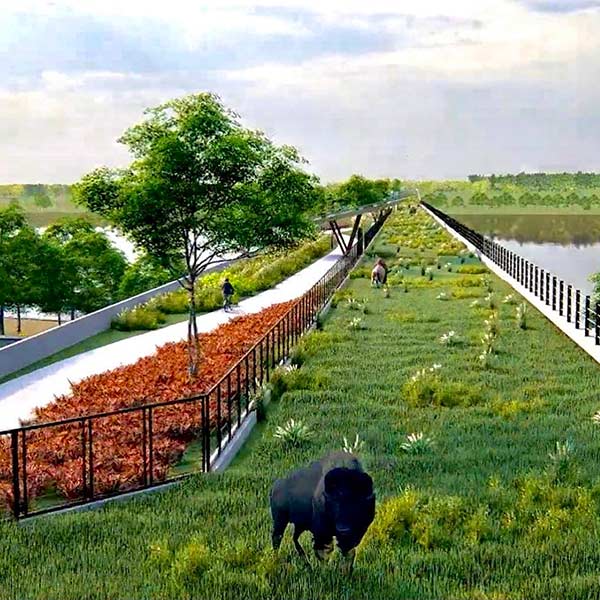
54	454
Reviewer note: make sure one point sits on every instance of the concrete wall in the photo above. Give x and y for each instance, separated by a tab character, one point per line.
29	350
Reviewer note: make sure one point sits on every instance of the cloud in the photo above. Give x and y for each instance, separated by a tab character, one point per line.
415	88
561	6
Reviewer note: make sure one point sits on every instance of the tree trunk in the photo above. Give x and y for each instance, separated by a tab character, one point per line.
193	343
2	331
18	318
58	315
72	314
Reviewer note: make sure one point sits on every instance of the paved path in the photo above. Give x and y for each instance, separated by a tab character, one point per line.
20	396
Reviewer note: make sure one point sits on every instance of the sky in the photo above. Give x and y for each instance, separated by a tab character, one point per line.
386	88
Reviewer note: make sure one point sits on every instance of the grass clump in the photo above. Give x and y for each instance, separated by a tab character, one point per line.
140	317
426	388
472	269
293	433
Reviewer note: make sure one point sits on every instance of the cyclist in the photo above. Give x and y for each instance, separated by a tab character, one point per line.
227	291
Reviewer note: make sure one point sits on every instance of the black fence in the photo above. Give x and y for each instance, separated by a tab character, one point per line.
561	296
51	466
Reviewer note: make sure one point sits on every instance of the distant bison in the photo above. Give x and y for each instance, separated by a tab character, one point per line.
331	497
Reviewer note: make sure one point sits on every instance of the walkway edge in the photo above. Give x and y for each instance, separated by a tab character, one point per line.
585	343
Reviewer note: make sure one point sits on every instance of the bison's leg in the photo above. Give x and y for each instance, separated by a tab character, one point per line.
297	533
348	560
323	548
280	522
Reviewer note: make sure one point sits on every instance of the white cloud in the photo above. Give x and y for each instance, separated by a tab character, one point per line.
458	75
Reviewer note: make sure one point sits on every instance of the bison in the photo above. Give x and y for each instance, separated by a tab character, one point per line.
332	497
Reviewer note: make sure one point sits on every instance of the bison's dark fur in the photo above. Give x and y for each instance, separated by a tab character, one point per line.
330	498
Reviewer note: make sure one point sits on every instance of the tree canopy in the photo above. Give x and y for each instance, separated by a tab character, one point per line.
202	186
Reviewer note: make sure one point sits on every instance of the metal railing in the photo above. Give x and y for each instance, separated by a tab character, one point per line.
577	307
92	457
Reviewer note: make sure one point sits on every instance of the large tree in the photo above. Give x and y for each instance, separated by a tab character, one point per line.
55	276
91	266
201	187
12	220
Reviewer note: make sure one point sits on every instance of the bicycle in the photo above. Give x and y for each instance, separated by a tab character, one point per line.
227	304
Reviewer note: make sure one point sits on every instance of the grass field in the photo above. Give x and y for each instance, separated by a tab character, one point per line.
482	513
28	326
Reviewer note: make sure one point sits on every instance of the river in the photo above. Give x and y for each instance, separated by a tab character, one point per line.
566	245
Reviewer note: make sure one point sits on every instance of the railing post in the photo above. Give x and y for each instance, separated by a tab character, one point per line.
238	395
569	294
577	307
84	453
542	276
537	281
547	289
150	446
25	500
228	392
14	442
531	277
597	323
553	292
561	297
586	317
144	448
219	419
205	434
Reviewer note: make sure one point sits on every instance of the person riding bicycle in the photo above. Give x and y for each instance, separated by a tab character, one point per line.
227	291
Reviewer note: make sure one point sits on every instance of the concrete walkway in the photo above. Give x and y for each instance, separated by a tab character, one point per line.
577	335
20	396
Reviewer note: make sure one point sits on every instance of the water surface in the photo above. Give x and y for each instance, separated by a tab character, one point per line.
566	245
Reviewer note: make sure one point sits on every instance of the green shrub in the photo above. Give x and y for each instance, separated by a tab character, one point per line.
341	296
172	303
360	273
462	293
452	394
395	518
468	281
140	317
512	408
208	299
472	269
521	314
191	563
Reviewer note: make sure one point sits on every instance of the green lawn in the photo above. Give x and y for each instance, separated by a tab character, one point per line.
482	514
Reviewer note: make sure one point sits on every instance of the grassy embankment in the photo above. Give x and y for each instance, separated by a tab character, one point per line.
481	513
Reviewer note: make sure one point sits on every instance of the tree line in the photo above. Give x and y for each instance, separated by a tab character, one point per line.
69	268
542	181
356	191
505	198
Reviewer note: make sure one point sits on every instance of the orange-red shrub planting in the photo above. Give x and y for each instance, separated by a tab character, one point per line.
54	455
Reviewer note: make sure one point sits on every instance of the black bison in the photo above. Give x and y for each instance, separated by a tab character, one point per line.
330	497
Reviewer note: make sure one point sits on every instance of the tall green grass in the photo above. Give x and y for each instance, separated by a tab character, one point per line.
486	513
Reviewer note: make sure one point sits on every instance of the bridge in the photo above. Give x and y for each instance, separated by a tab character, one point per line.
380	211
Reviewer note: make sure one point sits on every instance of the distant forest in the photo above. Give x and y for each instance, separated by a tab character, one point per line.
38	196
542	181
